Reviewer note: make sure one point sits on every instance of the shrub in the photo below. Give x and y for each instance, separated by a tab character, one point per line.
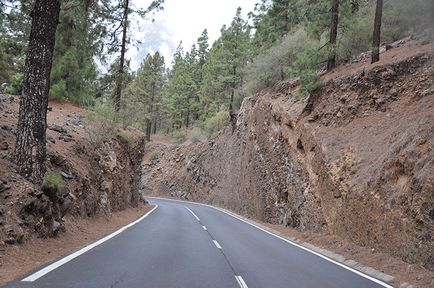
102	121
196	135
305	67
153	155
179	136
16	84
126	135
269	66
216	122
53	185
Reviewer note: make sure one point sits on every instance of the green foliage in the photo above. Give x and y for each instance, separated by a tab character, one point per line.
269	66
402	17
14	33
53	185
142	99
196	135
305	66
126	135
15	84
223	70
102	121
73	73
216	122
179	136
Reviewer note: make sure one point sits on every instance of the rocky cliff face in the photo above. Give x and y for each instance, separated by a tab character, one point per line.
354	159
99	178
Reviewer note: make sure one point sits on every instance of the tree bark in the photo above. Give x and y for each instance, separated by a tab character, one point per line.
376	37
30	150
333	34
120	76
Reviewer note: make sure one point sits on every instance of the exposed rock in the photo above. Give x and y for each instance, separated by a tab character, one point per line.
66	138
14	234
67	175
4	145
55	228
57	128
51	139
4	187
77	120
6	127
333	162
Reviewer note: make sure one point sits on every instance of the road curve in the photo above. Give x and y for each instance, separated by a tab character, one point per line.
183	244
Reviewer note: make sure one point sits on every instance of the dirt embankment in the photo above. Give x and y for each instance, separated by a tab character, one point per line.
355	159
99	179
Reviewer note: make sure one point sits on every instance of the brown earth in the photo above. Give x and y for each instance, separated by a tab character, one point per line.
101	176
354	160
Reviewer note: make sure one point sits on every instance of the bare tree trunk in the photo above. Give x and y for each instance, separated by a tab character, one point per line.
151	117
30	150
120	76
231	104
376	37
333	34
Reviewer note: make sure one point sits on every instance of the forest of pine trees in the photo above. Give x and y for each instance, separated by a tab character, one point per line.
204	83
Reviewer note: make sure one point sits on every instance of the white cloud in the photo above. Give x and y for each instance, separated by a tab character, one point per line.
183	20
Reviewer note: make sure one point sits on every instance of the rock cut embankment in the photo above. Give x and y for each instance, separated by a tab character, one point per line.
354	159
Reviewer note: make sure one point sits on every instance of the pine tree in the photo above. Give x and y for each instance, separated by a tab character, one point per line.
74	71
333	33
376	37
125	6
30	150
14	35
145	92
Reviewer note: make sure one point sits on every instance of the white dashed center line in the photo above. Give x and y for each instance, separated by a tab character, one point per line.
217	244
241	282
204	228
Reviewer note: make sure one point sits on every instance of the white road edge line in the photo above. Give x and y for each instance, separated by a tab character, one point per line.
192	213
35	276
241	282
288	241
217	244
204	228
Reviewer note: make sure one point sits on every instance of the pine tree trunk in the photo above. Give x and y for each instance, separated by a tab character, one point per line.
231	103
148	130
120	76
376	38
30	150
333	33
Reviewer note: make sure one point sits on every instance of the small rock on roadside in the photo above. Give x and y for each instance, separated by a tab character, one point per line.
56	227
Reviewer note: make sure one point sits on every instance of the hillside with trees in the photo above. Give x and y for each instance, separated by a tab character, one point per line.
301	113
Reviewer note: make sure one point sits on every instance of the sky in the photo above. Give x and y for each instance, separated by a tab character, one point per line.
181	20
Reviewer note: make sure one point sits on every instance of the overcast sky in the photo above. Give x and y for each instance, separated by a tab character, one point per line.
182	20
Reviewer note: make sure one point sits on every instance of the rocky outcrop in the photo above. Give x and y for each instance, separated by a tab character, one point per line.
354	159
98	178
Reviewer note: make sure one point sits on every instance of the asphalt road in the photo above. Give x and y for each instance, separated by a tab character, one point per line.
190	245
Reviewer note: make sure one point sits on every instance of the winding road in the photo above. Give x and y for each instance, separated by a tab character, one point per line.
181	244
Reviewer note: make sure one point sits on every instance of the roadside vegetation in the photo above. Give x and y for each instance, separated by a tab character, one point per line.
192	97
